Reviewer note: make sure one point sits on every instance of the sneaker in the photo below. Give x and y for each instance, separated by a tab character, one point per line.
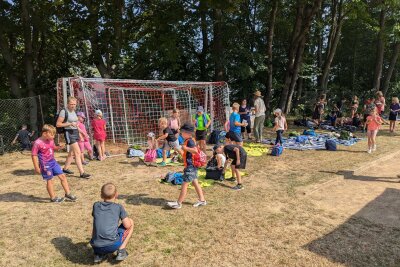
121	255
163	164
68	171
232	179
369	151
85	162
57	200
85	175
174	205
99	258
71	197
238	187
200	203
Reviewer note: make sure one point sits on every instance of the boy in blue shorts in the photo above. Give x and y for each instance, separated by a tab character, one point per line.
108	234
47	166
190	171
235	126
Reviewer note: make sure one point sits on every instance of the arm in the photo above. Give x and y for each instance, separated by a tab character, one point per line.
60	123
219	162
237	151
162	137
192	150
226	163
105	125
127	223
286	127
35	161
32	133
209	121
15	140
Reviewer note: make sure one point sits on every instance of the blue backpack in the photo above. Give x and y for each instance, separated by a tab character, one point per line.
174	178
221	137
181	140
330	145
302	139
309	132
277	150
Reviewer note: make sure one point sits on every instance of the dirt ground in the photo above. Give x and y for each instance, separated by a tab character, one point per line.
310	208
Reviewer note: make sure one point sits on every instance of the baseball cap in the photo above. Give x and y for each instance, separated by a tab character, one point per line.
200	109
81	114
98	112
187	127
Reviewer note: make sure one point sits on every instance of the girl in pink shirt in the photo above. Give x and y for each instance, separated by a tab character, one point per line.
373	124
99	134
83	138
174	122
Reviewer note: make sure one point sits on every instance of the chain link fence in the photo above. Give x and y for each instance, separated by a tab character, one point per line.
13	114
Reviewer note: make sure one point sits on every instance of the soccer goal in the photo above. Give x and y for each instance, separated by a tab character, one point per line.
132	107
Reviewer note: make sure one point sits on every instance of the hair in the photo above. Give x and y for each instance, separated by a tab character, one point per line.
47	128
379	93
108	191
71	98
163	120
175	110
24	126
355	97
395	99
235	106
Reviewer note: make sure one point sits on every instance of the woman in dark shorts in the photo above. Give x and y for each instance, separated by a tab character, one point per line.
244	111
319	110
71	135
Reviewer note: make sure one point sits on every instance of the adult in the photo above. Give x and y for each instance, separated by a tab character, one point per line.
339	109
244	111
319	109
71	135
259	112
380	102
202	121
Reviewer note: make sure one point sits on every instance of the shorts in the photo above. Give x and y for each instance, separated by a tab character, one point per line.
392	117
189	174
171	145
71	136
122	233
85	145
201	135
26	146
236	137
243	160
248	127
50	169
372	133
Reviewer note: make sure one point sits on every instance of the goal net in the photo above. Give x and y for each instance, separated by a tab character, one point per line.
132	107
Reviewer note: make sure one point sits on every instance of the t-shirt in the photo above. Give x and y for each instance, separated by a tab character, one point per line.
245	116
23	137
200	125
83	129
223	159
106	217
373	125
173	123
230	152
395	106
187	156
235	117
260	106
171	135
281	123
71	117
44	149
98	128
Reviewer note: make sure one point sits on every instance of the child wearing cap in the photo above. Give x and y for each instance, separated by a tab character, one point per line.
201	121
151	150
190	171
280	125
99	134
83	138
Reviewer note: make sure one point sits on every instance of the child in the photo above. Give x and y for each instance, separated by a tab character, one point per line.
394	110
174	122
23	136
354	106
369	106
45	164
108	235
332	118
83	138
235	125
218	153
373	124
356	120
239	157
170	140
99	134
190	171
215	166
244	111
151	154
201	121
280	126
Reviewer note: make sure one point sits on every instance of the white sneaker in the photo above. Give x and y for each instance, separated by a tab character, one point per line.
174	205
369	151
200	203
374	148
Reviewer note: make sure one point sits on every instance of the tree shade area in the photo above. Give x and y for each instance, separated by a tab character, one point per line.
292	51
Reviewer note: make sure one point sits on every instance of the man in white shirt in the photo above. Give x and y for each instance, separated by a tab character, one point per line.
259	120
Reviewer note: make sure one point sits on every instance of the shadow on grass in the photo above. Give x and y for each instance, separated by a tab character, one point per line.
139	199
79	253
350	175
132	163
19	197
23	172
369	238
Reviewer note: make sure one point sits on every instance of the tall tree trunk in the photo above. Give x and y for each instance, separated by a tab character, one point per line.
218	46
380	49
392	65
271	30
12	75
320	43
204	36
299	92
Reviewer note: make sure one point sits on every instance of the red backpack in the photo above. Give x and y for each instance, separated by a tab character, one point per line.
199	159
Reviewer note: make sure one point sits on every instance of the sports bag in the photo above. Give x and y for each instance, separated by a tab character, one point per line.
345	135
309	132
213	139
60	130
277	150
330	145
301	139
221	137
199	159
175	178
130	153
150	155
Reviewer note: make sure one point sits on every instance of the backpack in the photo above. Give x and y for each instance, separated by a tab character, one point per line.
294	133
60	130
181	140
150	155
130	153
277	150
212	163
205	121
301	139
309	132
199	159
330	145
174	178
221	137
345	135
213	139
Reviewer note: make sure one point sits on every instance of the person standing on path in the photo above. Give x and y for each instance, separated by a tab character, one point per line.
259	112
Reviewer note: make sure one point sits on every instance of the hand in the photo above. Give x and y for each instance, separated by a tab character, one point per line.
37	171
238	163
73	124
184	147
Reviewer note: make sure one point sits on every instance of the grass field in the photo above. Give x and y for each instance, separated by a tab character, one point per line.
301	209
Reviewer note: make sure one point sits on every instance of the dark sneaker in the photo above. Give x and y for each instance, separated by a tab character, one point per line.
68	171
70	197
85	175
232	179
121	255
58	200
238	187
99	258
